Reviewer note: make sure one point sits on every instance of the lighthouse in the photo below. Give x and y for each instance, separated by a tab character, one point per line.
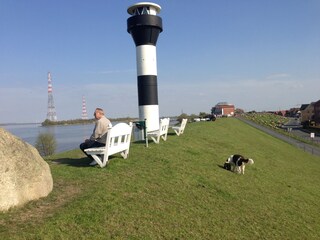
145	26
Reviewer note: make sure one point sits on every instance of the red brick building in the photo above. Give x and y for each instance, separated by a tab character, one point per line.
223	109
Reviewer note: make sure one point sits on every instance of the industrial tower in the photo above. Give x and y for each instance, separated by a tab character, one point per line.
51	114
145	26
84	109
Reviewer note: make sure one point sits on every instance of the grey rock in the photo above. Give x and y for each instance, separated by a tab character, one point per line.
24	175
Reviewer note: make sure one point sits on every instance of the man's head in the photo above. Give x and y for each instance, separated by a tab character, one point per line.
98	113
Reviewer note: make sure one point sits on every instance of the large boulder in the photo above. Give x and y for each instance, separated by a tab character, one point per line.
24	175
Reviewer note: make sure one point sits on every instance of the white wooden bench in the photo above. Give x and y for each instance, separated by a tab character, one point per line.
162	132
180	129
118	141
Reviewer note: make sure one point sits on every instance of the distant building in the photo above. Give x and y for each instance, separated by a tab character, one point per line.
293	112
280	112
307	112
223	109
317	113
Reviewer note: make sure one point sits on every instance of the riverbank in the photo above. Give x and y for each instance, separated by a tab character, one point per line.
68	137
178	190
83	121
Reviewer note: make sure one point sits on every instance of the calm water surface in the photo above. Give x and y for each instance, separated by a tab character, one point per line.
68	137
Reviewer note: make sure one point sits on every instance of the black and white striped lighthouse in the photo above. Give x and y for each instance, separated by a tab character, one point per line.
145	26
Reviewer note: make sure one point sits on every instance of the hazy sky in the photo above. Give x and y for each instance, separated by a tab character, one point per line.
256	54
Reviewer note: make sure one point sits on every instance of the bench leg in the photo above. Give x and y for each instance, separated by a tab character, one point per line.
164	137
97	159
102	163
125	153
156	140
177	131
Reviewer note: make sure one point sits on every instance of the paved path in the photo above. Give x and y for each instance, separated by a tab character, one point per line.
306	147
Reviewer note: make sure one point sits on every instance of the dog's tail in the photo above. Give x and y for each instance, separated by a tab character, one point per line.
250	161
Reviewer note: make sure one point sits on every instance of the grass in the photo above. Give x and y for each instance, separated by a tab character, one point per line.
179	190
269	120
274	122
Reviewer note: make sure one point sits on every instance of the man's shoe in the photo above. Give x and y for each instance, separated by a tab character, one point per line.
93	163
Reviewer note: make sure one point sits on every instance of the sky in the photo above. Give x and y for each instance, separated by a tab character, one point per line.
261	55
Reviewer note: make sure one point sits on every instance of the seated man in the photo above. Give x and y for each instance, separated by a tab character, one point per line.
99	135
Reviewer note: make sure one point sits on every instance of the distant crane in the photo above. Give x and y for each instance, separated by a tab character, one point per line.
84	109
51	113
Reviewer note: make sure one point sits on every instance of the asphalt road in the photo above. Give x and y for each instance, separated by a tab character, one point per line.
304	146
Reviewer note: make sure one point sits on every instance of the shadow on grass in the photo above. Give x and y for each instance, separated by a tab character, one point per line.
74	162
77	162
142	142
139	142
172	134
221	166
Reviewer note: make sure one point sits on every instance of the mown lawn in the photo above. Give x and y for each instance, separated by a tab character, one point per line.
179	190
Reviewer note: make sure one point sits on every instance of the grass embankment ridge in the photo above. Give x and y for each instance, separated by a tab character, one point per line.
178	190
275	122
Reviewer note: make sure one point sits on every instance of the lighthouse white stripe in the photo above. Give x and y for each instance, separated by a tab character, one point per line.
151	114
146	60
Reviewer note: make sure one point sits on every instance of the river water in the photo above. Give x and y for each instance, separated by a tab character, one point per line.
68	137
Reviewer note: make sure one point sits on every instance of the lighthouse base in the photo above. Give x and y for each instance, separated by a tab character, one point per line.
150	113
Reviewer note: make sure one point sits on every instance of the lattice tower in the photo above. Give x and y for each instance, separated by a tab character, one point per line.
84	109
51	113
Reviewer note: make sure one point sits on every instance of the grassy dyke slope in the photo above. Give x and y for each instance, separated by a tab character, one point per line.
179	190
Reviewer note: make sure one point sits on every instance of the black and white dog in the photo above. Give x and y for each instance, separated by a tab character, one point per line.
237	163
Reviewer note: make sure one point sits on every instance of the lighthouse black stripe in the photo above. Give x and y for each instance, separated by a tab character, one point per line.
147	90
144	29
